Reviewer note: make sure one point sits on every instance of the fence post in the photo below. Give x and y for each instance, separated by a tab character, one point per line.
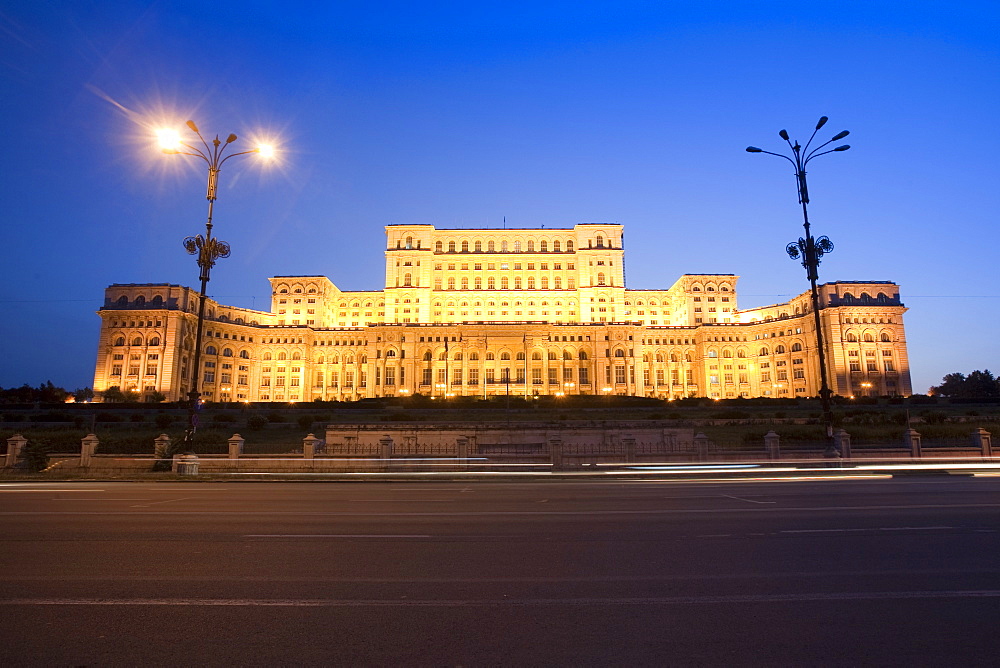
309	446
88	446
385	450
236	446
912	440
161	444
463	451
628	440
701	445
555	452
983	440
15	444
842	441
772	443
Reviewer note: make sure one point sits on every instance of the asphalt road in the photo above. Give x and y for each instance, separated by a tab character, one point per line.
638	572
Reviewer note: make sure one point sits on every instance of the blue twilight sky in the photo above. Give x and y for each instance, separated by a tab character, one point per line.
461	113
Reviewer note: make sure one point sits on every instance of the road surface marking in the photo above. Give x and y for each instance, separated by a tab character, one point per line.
739	498
867	529
153	503
506	602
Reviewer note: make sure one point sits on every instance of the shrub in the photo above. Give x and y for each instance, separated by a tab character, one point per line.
275	416
108	417
137	417
306	421
256	422
223	418
163	420
36	455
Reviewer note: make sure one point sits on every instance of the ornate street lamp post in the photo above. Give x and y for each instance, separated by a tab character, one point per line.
207	248
811	249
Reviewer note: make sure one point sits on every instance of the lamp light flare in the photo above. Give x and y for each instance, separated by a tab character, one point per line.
168	139
266	150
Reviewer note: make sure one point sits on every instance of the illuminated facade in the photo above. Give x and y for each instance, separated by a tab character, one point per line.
491	312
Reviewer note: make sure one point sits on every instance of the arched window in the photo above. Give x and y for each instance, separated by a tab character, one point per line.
778	350
712	353
442	356
600	241
227	352
409	243
282	356
211	350
479	246
517	282
465	246
727	353
569	246
479	283
852	337
531	282
504	355
687	357
473	357
244	354
266	356
659	357
517	246
531	246
407	279
796	347
140	301
427	356
296	355
503	282
763	351
885	338
520	355
868	337
567	354
491	283
543	246
155	341
674	357
555	247
390	353
491	246
619	353
120	341
490	356
157	301
600	279
503	246
458	356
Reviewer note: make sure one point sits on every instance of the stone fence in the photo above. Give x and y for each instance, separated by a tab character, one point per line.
454	447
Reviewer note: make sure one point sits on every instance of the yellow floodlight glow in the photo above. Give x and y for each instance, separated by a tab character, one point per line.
168	139
266	151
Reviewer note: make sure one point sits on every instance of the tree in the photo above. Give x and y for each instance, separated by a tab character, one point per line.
84	394
977	385
113	394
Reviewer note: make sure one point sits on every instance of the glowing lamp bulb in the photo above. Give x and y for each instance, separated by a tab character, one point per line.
168	139
266	151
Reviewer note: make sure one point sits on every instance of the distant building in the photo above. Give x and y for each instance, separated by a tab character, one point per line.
480	312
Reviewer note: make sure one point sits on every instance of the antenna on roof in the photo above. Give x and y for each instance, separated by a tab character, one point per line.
505	222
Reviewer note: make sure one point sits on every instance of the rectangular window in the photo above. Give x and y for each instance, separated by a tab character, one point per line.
553	376
473	376
390	375
620	374
425	378
536	376
888	366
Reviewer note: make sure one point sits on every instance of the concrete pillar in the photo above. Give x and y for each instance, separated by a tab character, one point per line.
385	450
701	446
628	440
912	439
88	446
15	444
982	439
842	441
236	446
772	443
160	444
556	452
463	451
309	446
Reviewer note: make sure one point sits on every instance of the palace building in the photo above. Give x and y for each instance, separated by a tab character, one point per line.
482	312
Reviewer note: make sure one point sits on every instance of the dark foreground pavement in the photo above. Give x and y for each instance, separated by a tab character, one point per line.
831	572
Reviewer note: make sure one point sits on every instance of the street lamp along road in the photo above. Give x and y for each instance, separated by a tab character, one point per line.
811	250
207	248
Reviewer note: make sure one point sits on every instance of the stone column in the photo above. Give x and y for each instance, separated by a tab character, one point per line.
88	446
912	440
842	441
236	446
701	446
309	446
556	452
628	440
385	450
772	443
982	439
15	444
463	451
